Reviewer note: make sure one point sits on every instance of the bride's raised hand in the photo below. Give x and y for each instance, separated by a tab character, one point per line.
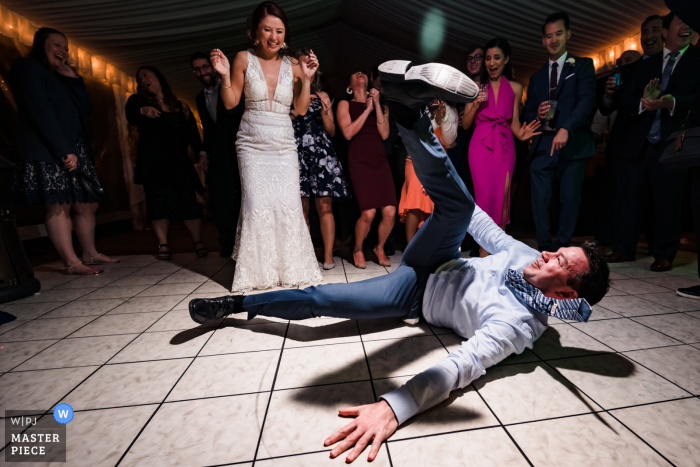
309	65
220	62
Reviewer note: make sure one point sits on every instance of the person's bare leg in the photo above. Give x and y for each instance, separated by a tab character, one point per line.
59	228
84	225
195	228
160	227
324	206
505	212
361	230
383	232
506	197
412	221
305	208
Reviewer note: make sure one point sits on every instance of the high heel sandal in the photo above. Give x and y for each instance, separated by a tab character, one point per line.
201	252
165	255
386	264
362	265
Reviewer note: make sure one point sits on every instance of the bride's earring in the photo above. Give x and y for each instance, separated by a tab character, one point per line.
348	90
256	43
284	46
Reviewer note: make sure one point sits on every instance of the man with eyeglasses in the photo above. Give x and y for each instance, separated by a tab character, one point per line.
219	159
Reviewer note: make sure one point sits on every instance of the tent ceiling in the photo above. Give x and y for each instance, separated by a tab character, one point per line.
347	35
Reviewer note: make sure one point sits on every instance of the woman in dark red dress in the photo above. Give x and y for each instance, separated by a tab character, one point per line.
364	121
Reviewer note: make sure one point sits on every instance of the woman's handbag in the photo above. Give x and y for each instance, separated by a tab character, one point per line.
95	193
682	149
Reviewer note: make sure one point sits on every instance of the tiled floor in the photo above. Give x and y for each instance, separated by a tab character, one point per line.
151	388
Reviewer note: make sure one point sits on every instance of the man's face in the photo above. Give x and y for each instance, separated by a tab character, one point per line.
678	36
204	71
475	61
551	272
555	37
652	40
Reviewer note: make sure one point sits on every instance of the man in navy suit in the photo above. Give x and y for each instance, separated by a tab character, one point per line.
656	103
219	159
564	149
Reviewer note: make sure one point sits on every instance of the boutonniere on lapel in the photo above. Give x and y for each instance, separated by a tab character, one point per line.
571	61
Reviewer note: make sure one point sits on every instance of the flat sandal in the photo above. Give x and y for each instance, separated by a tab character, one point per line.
165	255
69	270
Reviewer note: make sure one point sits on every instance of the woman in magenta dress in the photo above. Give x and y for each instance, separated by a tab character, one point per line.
492	148
364	121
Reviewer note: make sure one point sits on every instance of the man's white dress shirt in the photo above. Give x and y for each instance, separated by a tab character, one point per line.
471	297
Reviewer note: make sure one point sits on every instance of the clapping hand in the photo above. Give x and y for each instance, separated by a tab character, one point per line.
375	94
663	102
373	422
370	103
437	111
528	131
326	103
652	91
220	62
309	65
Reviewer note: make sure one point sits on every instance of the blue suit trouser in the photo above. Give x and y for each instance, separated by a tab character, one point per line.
571	174
399	294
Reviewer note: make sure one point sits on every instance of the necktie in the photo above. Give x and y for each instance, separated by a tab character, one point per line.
553	81
211	104
576	309
655	132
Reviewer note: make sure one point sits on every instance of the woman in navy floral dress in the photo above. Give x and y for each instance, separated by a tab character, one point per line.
320	172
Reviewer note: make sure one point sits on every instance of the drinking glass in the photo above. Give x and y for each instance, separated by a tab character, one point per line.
484	88
552	109
550	115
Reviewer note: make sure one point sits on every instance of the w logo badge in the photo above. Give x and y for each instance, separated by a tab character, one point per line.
63	413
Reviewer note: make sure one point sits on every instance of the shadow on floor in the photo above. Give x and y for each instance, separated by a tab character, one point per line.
614	366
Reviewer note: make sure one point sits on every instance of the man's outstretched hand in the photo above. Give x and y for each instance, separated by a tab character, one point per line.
374	422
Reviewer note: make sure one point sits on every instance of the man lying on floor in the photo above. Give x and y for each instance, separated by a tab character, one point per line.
500	303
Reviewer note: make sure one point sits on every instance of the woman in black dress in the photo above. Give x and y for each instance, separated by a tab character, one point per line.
166	127
52	147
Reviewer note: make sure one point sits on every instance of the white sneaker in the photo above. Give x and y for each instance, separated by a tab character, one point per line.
440	81
411	321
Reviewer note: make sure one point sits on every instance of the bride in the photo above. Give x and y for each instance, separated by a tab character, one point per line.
273	246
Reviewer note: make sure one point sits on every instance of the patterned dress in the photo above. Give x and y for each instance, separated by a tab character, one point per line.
320	172
38	182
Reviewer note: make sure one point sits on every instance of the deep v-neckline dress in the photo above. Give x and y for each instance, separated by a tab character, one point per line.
273	245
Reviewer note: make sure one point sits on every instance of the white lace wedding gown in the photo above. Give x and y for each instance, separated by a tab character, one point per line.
273	245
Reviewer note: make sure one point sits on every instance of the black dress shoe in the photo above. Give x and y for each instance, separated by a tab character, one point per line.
203	310
690	292
661	265
423	83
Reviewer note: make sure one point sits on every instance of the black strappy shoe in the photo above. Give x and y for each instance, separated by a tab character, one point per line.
165	255
201	252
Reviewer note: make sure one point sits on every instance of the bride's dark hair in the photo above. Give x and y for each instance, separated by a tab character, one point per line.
260	13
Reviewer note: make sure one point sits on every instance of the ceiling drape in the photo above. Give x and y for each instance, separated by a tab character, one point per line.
347	35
